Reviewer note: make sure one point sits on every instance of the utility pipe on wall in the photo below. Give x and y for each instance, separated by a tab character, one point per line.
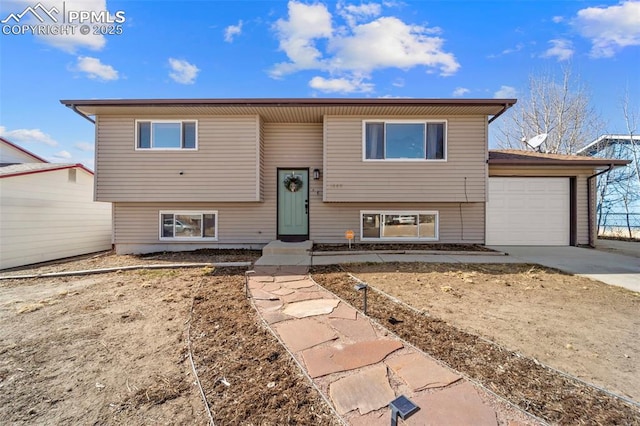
590	217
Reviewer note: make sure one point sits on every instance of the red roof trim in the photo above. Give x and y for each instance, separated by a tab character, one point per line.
32	172
19	148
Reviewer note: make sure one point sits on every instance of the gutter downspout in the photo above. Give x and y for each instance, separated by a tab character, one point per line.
590	204
505	107
80	113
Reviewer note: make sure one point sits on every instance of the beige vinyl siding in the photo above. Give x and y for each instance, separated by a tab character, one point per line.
251	224
461	178
225	167
581	176
261	158
46	217
329	224
238	223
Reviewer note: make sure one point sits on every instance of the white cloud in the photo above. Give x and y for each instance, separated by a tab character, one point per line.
62	155
96	69
354	13
340	85
508	51
298	34
518	47
311	42
557	19
84	146
88	163
231	31
27	136
610	28
182	71
398	82
560	49
506	92
460	91
398	45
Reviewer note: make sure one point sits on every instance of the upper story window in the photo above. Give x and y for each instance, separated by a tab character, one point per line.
405	140
166	134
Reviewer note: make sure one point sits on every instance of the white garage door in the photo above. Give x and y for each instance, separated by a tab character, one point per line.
528	211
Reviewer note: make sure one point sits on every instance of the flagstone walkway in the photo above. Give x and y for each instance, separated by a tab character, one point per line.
361	366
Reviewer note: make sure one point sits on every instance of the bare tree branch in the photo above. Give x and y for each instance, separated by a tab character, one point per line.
559	107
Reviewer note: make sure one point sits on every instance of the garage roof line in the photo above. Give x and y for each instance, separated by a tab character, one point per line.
512	157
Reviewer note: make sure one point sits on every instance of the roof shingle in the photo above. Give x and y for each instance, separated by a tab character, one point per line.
523	158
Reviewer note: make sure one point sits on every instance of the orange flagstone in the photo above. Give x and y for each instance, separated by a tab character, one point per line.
299	334
357	331
344	311
366	390
308	308
321	361
458	405
421	372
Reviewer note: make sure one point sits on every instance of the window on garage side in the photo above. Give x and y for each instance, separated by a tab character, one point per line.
188	225
399	225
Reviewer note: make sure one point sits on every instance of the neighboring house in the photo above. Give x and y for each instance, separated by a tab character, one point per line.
13	154
212	173
618	206
47	210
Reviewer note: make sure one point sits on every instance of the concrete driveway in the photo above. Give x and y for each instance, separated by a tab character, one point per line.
611	268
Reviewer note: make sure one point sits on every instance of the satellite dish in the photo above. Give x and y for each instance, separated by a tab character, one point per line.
537	140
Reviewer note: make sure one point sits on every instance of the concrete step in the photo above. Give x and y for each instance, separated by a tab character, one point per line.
284	260
280	248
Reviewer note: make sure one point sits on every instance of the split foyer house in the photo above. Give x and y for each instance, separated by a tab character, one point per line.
184	174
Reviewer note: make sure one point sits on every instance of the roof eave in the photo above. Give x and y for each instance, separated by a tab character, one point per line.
21	149
559	163
598	144
87	107
287	102
62	167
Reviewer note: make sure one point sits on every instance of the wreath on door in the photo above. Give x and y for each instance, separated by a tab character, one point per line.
293	183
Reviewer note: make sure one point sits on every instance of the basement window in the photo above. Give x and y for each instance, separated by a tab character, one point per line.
399	225
189	225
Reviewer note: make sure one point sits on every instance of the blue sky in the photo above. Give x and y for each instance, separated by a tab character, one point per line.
226	49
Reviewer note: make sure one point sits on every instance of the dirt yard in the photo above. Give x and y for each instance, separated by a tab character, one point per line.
580	326
112	349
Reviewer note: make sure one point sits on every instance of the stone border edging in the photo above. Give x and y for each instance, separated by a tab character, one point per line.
126	268
427	252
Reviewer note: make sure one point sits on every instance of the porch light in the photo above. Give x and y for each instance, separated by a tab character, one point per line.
316	174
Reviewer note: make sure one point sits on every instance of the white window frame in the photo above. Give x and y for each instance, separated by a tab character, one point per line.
152	121
384	144
436	225
187	212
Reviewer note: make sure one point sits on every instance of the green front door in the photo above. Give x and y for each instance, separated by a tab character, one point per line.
293	204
